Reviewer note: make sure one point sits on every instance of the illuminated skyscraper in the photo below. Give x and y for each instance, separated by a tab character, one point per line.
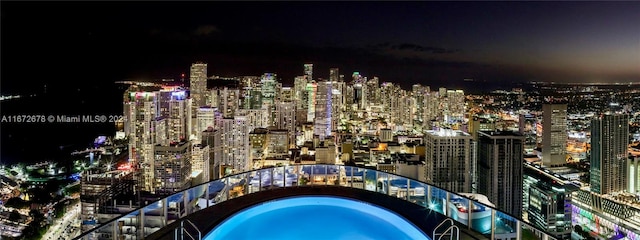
300	92
198	84
373	91
268	88
448	159
527	127
312	88
200	162
554	136
205	120
609	150
140	113
234	140
338	91
228	99
500	163
308	71
285	94
322	121
334	74
359	90
255	118
547	201
456	106
178	117
286	119
418	92
633	169
251	92
171	169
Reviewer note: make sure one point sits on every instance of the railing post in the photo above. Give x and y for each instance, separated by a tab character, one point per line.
273	179
389	185
519	230
165	211
227	187
493	224
408	188
470	213
351	182
445	208
114	229
428	195
376	176
206	194
140	230
186	203
326	175
182	230
311	179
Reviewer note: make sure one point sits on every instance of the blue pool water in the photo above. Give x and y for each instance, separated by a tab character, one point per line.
315	218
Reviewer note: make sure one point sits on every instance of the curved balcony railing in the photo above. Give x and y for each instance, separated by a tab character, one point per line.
476	216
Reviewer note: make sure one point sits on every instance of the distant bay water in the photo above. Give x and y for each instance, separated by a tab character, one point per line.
36	142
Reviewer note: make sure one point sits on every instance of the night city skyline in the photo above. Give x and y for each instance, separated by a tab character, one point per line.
468	120
436	43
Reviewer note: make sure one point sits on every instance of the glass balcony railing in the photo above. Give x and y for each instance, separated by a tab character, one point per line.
477	217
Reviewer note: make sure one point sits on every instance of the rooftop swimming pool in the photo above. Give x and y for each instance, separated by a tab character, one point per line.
316	217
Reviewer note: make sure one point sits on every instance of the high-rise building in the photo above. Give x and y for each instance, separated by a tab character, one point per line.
250	92
633	169
418	92
308	71
268	88
456	106
312	88
373	91
277	143
324	110
359	84
547	201
200	163
481	123
300	92
234	140
171	169
99	191
448	159
431	109
609	149
527	127
205	120
198	84
499	169
554	135
178	117
211	138
227	99
286	119
255	118
286	94
140	113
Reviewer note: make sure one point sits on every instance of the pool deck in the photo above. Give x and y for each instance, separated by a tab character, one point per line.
208	218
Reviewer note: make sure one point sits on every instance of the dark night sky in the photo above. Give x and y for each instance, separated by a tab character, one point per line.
433	43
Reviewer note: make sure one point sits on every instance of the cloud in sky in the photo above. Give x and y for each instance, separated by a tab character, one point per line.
205	30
